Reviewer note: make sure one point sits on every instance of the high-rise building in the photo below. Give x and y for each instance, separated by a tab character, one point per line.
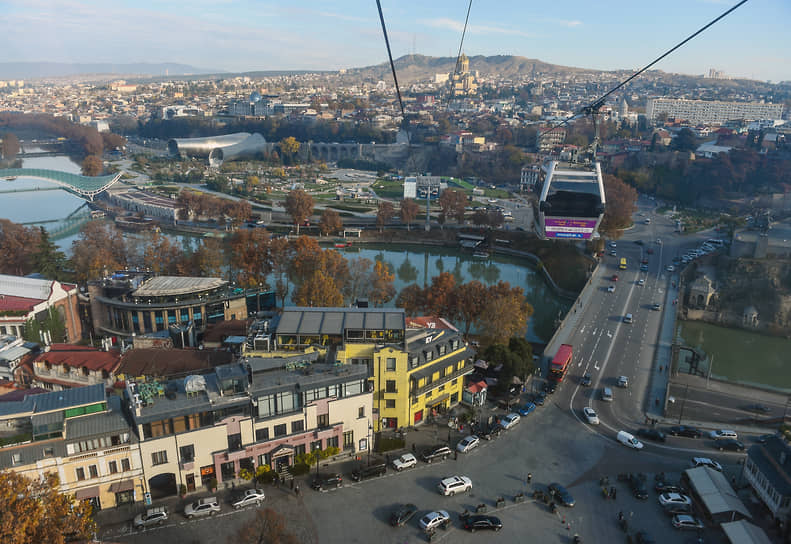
711	112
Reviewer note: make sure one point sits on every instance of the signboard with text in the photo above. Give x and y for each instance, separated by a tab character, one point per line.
558	227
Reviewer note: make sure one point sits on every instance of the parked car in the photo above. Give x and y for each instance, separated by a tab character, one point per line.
527	409
758	407
202	507
362	472
651	434
685	431
590	415
321	482
673	509
665	487
433	453
561	494
642	537
250	496
671	268
467	443
550	387
673	498
540	398
454	484
476	523
152	516
763	438
643	268
586	380
656	306
706	462
729	444
623	381
402	514
405	461
685	521
614	277
432	520
723	433
509	420
489	432
638	487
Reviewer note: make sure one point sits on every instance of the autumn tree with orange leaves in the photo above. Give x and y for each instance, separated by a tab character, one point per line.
299	205
408	212
319	290
382	289
621	205
330	222
250	259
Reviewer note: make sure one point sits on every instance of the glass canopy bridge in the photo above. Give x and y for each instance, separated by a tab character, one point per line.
83	186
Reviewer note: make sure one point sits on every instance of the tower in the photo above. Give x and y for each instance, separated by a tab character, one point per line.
463	64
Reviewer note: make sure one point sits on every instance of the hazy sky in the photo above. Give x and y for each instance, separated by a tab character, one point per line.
313	34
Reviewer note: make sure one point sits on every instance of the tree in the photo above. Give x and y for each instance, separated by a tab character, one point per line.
471	299
208	259
516	358
684	141
359	283
480	217
281	252
289	147
160	255
412	299
440	296
306	258
92	166
17	247
384	214
299	205
409	210
250	257
35	511
52	324
10	146
99	250
330	222
621	204
452	204
382	290
319	290
48	260
266	527
505	314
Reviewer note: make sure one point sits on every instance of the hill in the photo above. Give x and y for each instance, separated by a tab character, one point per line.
33	70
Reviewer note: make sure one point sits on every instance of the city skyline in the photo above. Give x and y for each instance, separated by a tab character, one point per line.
238	36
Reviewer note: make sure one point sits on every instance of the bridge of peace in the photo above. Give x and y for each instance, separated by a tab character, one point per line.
84	186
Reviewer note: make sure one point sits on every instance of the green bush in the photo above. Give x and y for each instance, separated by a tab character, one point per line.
300	469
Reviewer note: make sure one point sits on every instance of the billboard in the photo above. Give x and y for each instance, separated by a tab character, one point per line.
558	227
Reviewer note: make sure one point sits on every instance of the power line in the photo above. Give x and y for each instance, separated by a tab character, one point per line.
594	106
390	56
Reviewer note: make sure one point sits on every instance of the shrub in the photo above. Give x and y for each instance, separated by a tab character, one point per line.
390	444
300	469
245	474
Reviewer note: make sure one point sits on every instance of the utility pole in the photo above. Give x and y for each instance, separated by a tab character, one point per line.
708	374
683	402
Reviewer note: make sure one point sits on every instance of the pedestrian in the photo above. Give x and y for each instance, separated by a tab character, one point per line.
529	477
455	455
414	448
613	493
296	490
620	516
660	368
292	484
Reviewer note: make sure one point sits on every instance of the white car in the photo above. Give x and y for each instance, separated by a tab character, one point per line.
671	268
405	461
435	519
723	433
674	498
509	420
454	484
251	496
611	289
640	282
590	415
467	443
202	507
706	462
613	244
623	381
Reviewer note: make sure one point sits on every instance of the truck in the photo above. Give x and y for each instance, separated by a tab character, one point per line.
561	363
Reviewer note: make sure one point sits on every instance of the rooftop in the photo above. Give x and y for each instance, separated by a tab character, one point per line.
21	287
160	286
39	403
11	303
81	357
773	458
334	321
170	362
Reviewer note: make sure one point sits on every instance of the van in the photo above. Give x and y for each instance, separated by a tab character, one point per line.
627	318
606	394
629	440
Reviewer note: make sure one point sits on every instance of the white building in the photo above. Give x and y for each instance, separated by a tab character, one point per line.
711	112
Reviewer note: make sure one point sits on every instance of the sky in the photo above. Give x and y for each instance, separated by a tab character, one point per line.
238	35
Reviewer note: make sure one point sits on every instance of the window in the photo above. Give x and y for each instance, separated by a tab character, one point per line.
390	365
348	439
454	382
125	465
297	426
428	395
299	449
94	471
113	466
332	442
390	386
187	453
413	361
159	457
361	412
49	452
280	430
454	398
80	474
390	403
441	388
323	420
262	434
315	445
235	442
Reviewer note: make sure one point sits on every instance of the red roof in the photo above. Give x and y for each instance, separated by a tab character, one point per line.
428	322
10	303
81	356
477	387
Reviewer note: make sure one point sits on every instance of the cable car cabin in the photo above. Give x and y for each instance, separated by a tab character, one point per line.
572	201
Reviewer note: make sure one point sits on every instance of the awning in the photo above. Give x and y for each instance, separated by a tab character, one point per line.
87	493
434	402
123	485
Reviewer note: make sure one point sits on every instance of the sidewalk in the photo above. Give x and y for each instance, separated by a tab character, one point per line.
657	389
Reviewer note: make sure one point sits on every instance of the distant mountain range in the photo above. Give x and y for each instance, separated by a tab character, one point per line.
32	70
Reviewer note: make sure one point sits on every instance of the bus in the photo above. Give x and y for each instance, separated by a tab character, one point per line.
561	363
623	263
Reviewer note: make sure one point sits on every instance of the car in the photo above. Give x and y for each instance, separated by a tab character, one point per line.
614	277
730	444
763	438
659	241
613	244
561	494
540	399
590	415
722	434
324	481
651	434
665	487
685	521
641	282
685	431
628	440
642	537
432	520
509	420
611	289
643	268
638	487
613	253
480	522
550	387
706	462
454	484
623	381
586	380
152	516
644	261
441	451
673	498
402	514
638	242
202	507
628	318
405	461
467	443
670	268
250	496
673	509
375	469
656	306
650	251
757	407
527	409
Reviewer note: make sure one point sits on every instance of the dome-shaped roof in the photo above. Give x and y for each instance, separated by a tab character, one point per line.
255	96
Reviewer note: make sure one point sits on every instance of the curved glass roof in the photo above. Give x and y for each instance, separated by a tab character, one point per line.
85	185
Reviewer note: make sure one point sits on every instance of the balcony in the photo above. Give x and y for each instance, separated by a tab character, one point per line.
466	369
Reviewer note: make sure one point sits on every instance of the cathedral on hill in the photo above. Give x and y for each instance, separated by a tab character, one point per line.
463	82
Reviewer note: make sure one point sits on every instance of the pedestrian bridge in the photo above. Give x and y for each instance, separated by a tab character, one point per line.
84	186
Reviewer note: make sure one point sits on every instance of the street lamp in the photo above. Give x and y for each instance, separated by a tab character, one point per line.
370	430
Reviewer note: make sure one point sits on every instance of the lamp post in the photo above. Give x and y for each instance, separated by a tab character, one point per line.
370	430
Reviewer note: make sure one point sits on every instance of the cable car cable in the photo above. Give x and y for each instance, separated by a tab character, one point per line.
390	56
458	56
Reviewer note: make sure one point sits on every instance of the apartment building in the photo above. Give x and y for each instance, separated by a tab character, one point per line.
767	469
23	299
64	366
713	112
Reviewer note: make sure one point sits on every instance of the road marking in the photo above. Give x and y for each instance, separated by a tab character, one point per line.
596	366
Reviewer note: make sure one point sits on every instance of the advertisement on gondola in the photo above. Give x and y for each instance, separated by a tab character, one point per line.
569	228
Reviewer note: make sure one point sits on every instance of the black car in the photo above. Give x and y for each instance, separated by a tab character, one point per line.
644	538
550	387
586	380
540	398
685	431
757	407
730	444
362	472
673	509
637	484
474	523
321	482
402	514
488	432
651	434
561	495
436	452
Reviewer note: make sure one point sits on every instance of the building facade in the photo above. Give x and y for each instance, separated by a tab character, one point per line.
767	469
23	299
64	366
711	112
